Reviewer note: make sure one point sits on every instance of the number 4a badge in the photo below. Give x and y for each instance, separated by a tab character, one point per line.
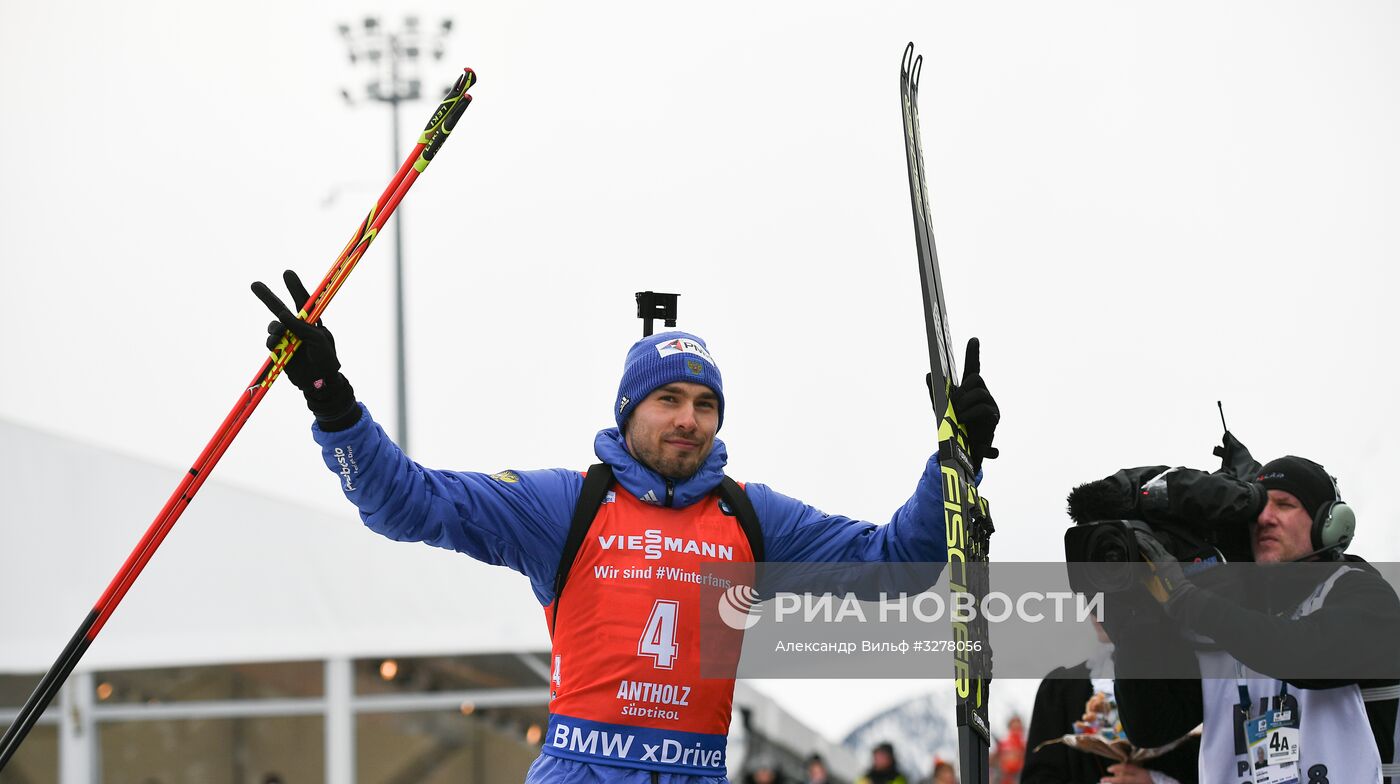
1273	744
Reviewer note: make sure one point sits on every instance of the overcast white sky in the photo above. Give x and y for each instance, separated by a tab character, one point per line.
1140	209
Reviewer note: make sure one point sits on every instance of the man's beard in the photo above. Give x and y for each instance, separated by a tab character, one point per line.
676	467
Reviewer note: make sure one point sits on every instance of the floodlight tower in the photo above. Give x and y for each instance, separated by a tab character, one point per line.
391	58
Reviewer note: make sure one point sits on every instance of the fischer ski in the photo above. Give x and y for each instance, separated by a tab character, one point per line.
966	516
434	135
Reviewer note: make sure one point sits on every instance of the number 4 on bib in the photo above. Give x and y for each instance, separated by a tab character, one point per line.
659	638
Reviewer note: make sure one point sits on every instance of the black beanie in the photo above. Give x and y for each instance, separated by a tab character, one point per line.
1306	480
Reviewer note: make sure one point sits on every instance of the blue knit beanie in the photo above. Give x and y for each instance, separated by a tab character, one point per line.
662	359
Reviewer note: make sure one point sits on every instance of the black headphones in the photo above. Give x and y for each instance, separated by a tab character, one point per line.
1334	525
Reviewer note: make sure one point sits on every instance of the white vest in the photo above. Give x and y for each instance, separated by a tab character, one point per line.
1335	735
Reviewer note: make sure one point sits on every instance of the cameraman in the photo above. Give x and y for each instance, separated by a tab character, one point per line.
1343	619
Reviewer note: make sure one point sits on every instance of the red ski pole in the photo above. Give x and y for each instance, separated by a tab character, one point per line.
434	135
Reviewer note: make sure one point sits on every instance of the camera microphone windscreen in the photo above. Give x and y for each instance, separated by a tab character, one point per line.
1100	500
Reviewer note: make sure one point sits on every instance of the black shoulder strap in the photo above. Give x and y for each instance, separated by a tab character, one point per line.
732	494
595	487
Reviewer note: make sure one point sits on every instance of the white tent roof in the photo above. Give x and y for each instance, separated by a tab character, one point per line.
241	577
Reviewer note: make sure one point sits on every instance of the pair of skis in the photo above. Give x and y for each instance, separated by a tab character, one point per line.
434	135
967	520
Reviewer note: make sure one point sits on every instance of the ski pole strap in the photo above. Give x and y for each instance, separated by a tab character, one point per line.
738	501
595	486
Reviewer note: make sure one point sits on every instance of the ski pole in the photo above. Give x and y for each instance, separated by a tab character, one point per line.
434	135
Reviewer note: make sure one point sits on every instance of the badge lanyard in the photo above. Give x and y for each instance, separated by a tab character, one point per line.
1271	735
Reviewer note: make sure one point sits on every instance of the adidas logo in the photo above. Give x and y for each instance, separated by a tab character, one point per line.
650	497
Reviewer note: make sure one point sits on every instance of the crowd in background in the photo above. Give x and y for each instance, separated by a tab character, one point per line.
1006	760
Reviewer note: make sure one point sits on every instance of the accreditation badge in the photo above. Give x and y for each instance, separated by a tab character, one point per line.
1272	737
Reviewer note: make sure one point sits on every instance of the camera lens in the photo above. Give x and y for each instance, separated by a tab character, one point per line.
1107	545
1110	553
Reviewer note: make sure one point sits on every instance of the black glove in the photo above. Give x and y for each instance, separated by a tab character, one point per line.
976	410
1168	585
314	368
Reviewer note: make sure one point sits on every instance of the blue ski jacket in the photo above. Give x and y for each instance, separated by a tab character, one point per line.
520	519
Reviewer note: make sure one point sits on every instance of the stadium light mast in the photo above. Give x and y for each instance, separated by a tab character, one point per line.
391	58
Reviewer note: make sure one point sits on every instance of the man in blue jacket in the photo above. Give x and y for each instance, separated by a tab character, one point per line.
627	700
